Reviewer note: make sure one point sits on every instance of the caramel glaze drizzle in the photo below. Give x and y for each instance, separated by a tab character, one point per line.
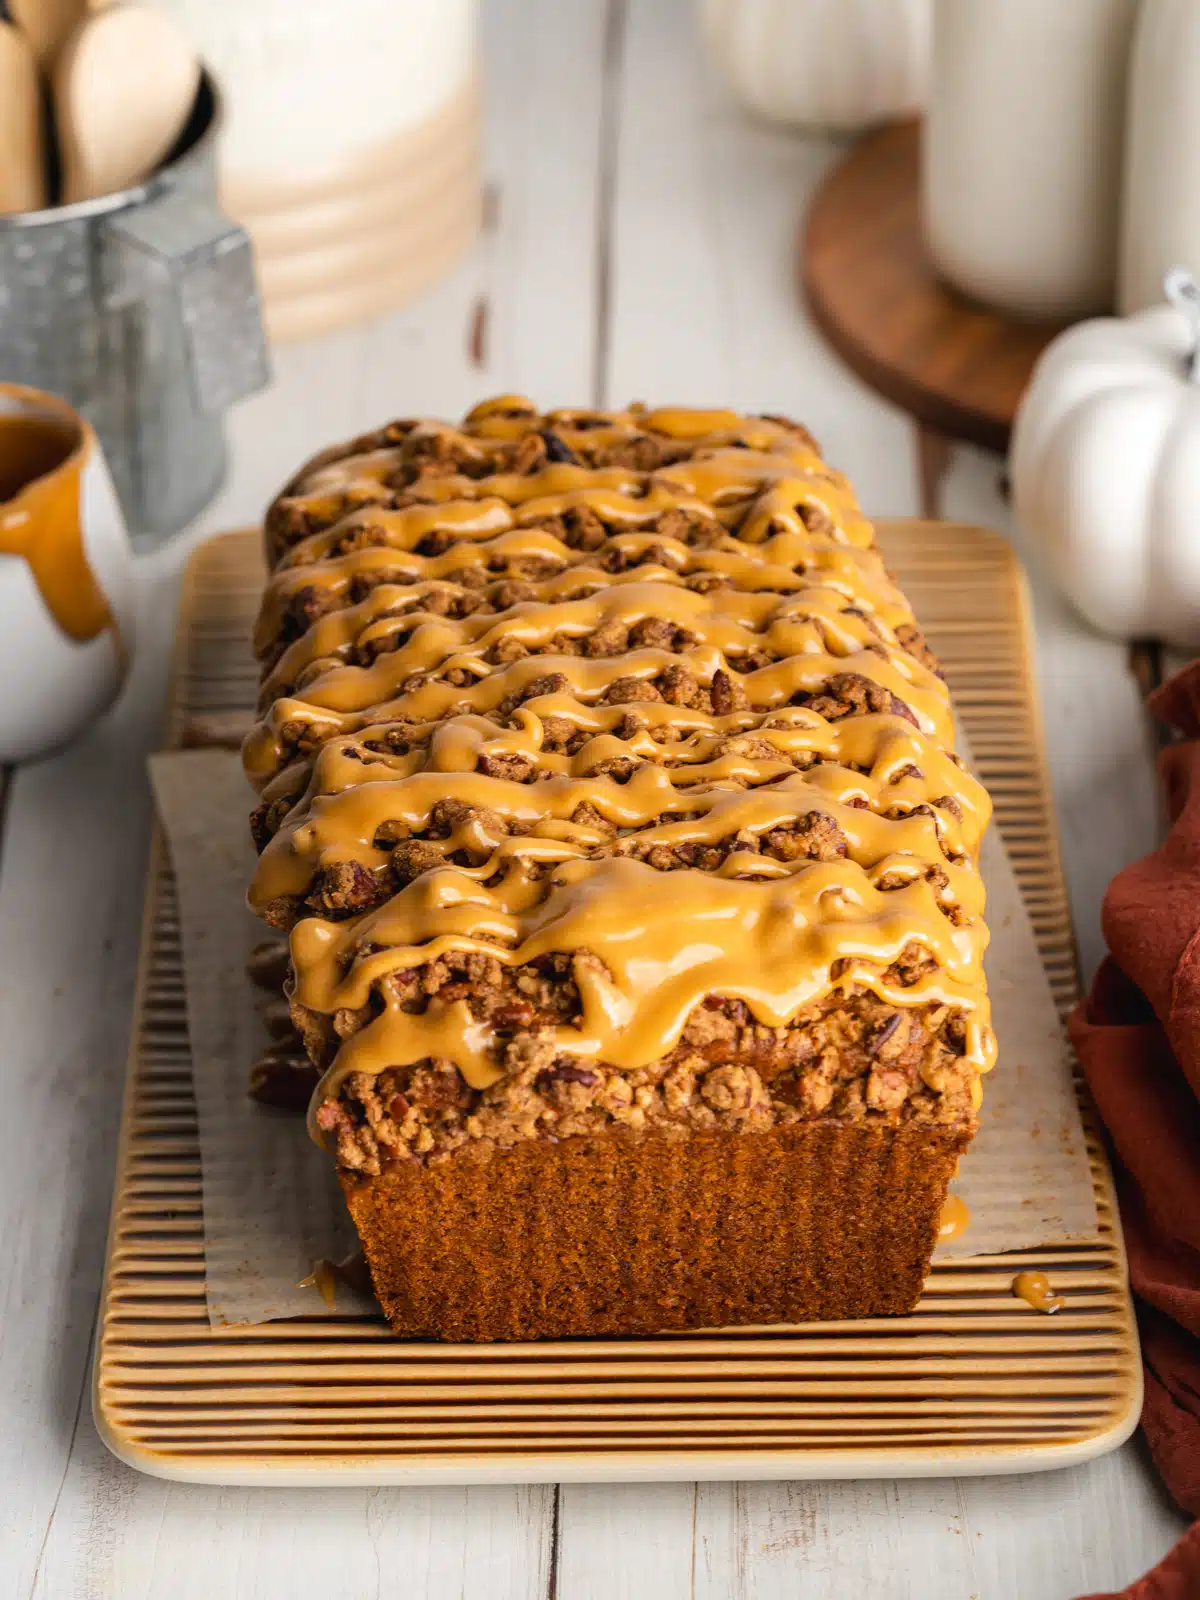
519	876
364	472
811	642
369	540
326	713
662	949
334	559
877	757
394	605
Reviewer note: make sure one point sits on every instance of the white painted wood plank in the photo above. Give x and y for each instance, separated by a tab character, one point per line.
70	904
884	1539
144	1539
632	1541
545	63
1097	1527
71	877
1042	1537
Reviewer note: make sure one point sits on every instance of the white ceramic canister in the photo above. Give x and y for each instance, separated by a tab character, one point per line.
1160	209
351	146
1023	150
66	576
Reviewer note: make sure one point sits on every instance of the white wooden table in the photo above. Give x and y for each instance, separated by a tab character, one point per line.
640	244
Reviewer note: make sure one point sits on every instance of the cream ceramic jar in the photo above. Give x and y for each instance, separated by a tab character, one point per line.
351	145
1023	150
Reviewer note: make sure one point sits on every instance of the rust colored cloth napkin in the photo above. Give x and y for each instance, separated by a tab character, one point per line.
1138	1038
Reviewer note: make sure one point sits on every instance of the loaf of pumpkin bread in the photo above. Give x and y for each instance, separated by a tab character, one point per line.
607	794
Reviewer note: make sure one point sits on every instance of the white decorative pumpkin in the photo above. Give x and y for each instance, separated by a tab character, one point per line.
1105	467
842	64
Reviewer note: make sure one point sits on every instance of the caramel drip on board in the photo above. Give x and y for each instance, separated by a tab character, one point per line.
325	1276
956	1218
1034	1289
42	459
394	708
322	1278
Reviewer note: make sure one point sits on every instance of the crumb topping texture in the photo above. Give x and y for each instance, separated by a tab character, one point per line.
605	777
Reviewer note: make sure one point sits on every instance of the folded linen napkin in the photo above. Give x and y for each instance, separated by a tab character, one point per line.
1138	1038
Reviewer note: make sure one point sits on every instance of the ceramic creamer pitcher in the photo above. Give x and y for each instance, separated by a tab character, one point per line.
66	576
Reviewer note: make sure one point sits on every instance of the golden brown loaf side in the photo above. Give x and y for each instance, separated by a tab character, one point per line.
608	795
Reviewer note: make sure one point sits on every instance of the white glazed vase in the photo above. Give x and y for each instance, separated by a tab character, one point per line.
66	631
1023	151
1160	216
839	64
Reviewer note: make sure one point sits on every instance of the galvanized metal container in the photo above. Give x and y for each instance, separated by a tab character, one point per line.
141	309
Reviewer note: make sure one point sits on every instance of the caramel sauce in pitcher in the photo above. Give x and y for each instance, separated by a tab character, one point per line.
42	458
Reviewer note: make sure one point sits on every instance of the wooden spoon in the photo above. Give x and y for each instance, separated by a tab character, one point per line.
124	86
47	24
22	145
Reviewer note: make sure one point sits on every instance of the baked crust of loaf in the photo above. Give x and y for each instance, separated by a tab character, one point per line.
640	1234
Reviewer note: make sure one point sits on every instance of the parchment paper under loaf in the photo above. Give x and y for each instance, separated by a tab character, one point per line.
272	1206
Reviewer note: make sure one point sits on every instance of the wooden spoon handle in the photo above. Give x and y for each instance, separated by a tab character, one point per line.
47	24
22	143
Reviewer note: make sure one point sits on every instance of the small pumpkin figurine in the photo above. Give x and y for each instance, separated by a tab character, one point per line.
829	64
1105	467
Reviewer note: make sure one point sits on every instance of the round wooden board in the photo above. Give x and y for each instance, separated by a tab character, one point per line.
955	367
